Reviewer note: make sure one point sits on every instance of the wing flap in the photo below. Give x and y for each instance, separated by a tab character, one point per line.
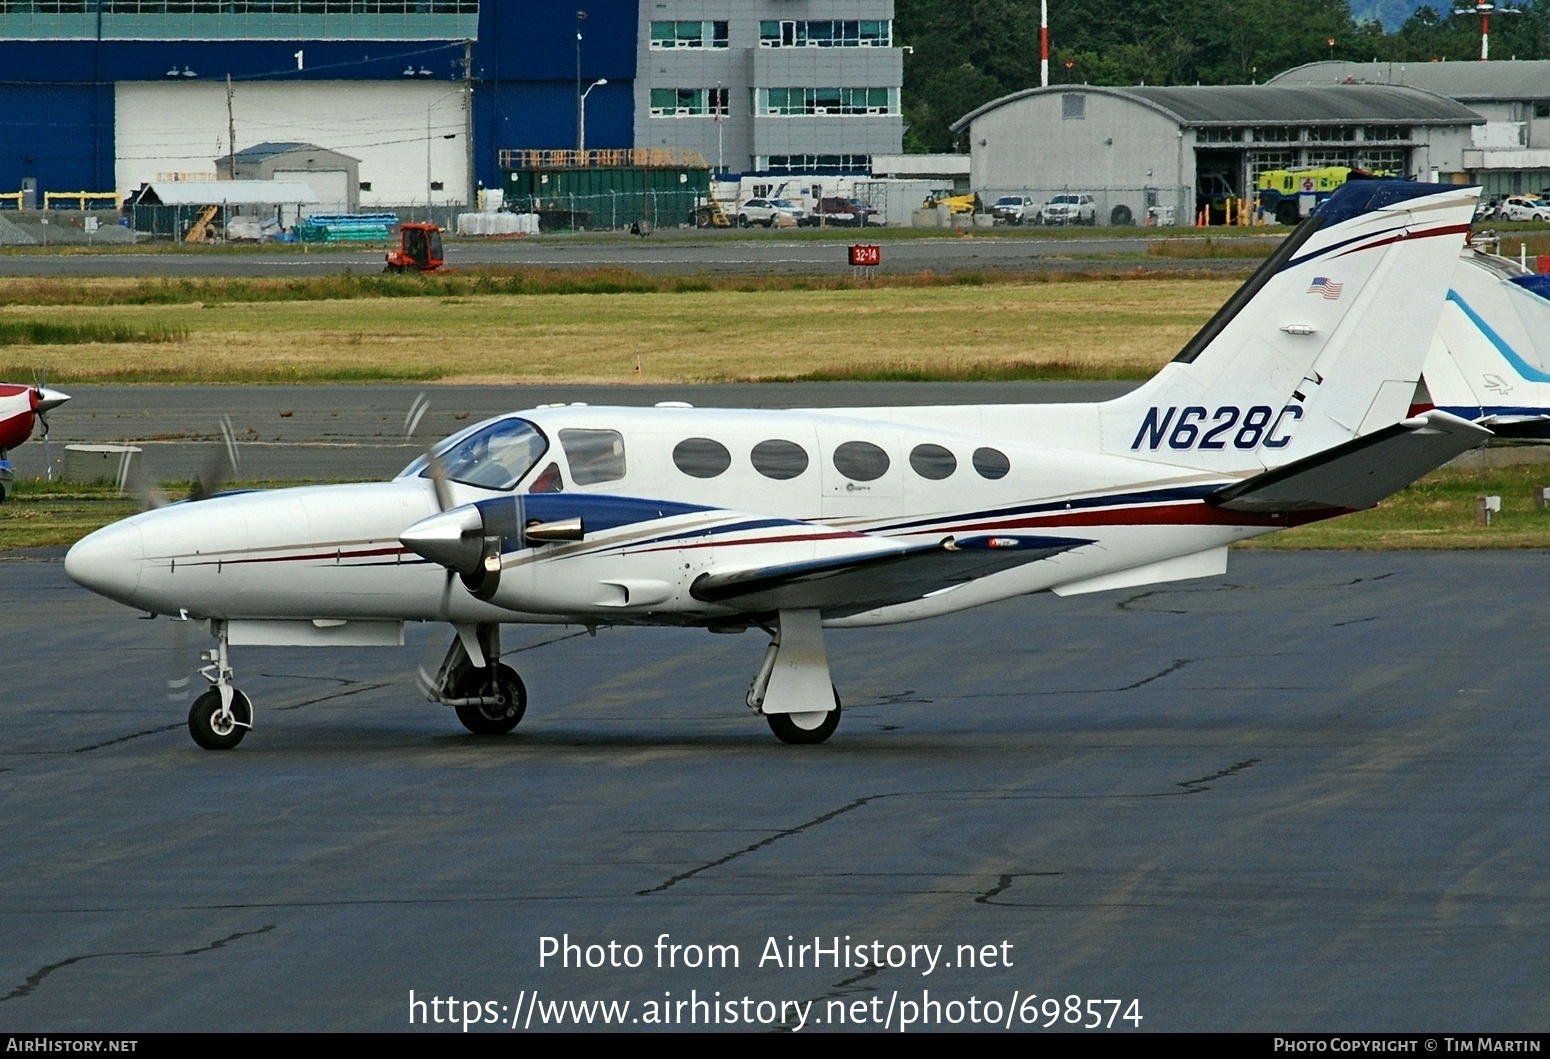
852	584
1359	473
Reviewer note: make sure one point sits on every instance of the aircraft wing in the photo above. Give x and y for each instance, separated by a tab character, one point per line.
1357	474
853	584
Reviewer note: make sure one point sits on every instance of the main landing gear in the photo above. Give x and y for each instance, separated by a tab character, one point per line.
794	678
221	716
489	697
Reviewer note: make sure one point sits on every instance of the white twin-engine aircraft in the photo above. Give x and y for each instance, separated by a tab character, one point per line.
1289	406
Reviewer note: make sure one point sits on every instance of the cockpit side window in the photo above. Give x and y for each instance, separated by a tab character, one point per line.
594	455
496	457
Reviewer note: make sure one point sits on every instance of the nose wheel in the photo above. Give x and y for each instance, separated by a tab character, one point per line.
220	728
221	716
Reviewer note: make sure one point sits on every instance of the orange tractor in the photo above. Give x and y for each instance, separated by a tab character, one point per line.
419	249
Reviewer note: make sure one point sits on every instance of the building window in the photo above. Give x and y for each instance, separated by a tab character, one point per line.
694	34
826	33
688	102
1383	160
1385	132
1264	161
1276	134
1320	159
1542	110
1331	133
1073	107
1219	135
805	102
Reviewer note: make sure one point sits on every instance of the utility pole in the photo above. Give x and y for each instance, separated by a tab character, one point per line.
580	17
231	135
468	121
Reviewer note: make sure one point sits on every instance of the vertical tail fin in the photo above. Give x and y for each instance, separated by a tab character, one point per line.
1490	358
1324	343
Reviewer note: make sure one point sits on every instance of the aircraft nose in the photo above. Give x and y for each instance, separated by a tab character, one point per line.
108	561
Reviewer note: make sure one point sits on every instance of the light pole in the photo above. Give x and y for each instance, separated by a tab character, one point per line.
580	18
581	131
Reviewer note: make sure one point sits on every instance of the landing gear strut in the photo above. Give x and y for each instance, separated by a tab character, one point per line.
792	688
221	716
490	698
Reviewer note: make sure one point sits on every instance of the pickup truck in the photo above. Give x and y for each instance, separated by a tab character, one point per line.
1015	209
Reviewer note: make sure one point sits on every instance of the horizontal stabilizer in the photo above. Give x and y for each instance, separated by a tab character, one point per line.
850	585
1359	473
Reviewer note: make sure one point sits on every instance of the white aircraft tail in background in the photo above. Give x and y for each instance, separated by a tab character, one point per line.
1490	357
1289	406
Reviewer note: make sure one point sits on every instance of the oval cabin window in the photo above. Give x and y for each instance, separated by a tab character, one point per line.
933	462
861	461
701	457
780	460
991	463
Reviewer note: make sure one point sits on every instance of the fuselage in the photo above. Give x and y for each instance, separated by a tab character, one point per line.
705	489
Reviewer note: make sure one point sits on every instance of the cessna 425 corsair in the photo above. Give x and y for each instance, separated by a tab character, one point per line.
1290	405
19	407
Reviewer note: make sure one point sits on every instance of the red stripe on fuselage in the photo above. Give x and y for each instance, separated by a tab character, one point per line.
309	557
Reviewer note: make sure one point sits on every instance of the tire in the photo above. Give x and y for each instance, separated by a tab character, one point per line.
1121	217
742	220
804	729
1286	213
769	222
203	727
490	720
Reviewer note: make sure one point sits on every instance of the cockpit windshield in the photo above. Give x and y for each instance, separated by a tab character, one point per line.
496	457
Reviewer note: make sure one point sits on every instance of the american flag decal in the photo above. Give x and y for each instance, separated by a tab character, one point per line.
1325	286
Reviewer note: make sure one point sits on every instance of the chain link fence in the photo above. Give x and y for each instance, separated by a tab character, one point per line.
1099	207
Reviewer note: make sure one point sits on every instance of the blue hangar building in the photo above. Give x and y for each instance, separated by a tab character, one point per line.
394	103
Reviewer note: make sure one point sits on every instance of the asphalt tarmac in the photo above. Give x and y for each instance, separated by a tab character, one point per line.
671	252
358	432
1308	795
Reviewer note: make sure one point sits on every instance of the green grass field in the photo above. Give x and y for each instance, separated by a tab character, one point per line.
522	327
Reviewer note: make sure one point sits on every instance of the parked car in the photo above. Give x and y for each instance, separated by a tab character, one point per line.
843	213
1070	209
1523	208
1015	209
770	213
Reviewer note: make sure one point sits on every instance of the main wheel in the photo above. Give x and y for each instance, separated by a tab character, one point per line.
213	731
804	728
498	718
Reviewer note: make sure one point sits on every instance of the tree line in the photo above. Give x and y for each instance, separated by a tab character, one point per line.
963	53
